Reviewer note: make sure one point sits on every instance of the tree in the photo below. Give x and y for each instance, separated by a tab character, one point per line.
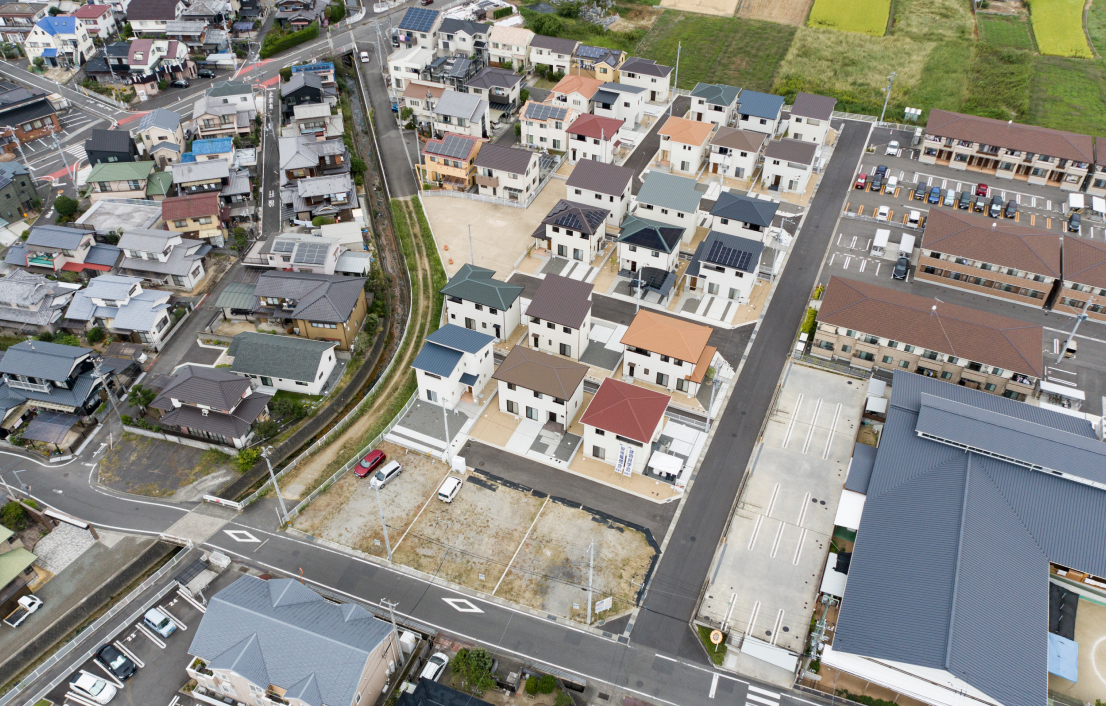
66	206
475	669
39	61
67	339
288	409
241	239
13	516
569	9
547	25
140	397
54	11
523	96
518	129
127	32
45	336
286	74
267	428
357	165
547	684
94	335
246	458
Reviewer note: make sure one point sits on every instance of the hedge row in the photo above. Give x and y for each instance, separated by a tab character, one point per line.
288	41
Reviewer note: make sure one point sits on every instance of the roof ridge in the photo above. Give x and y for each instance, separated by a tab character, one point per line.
1002	332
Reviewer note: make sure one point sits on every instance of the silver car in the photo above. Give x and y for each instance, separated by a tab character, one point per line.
159	622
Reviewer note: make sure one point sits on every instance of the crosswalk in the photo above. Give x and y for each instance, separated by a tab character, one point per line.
761	697
76	150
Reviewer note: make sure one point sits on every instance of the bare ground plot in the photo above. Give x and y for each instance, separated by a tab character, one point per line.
725	8
639	17
347	512
162	469
550	572
787	12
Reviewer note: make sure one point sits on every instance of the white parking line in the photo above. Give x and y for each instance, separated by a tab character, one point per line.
145	631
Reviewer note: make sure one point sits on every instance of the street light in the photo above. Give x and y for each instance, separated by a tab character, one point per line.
283	510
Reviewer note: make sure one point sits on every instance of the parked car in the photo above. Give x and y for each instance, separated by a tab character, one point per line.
861	180
902	268
914	219
883	213
385	475
449	489
920	191
23	609
981	189
892	148
92	688
1073	223
877	182
115	662
996	207
205	73
950	198
935	195
159	622
892	184
179	83
1011	208
435	666
965	201
365	58
881	170
980	205
366	465
427	2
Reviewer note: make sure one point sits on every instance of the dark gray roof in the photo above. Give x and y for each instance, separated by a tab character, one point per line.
436	359
860	468
808	105
648	67
604	178
493	76
650	234
716	93
986	522
235	425
605	97
101	254
669	191
300	80
507	159
726	250
237	295
577	217
319	297
452	26
460	338
622	88
286	357
746	209
477	284
212	387
109	141
791	150
57	237
529	284
314	649
50	361
554	44
561	300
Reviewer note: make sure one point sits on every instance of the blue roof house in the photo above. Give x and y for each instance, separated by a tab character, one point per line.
61	41
759	111
454	365
213	148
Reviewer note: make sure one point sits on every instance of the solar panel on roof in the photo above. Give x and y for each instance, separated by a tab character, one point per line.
541	111
311	253
284	245
454	146
730	257
418	19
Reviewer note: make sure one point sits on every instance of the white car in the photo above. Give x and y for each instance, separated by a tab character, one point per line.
892	148
892	184
364	57
449	489
435	666
90	687
159	622
883	213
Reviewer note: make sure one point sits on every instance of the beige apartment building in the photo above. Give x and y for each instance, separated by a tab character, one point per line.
1084	278
999	259
873	327
1007	150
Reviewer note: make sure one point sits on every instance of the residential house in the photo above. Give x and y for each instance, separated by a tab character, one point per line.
450	161
120	305
236	196
552	53
213	148
575	92
150	17
197	216
299	14
99	20
165	153
598	62
476	300
500	87
304	88
227	108
17	569
323	69
759	111
998	259
666	351
559	317
110	146
874	327
463	37
150	61
735	152
1084	278
454	365
211	404
1007	150
593	137
670	199
620	101
421	97
647	74
540	387
55	248
17	19
163	257
286	363
573	231
301	252
50	377
788	165
714	103
26	115
406	65
124	180
810	118
331	195
215	13
304	156
544	125
621	423
727	265
685	144
419	27
597	183
260	641
161	127
60	41
316	306
461	113
314	119
31	303
1097	185
17	191
744	216
450	71
200	177
648	244
189	32
510	47
507	172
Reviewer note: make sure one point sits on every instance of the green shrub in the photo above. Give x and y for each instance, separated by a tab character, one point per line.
13	516
286	74
546	25
67	339
866	700
45	336
532	686
502	12
321	221
475	669
267	428
547	684
810	321
274	44
246	458
65	206
94	335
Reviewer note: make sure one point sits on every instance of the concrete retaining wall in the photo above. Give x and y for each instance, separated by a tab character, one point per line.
194	443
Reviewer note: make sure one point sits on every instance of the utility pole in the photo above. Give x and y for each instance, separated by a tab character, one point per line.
283	510
591	567
890	83
676	83
1078	320
383	524
391	605
445	419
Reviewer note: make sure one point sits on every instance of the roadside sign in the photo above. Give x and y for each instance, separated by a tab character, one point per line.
604	604
716	637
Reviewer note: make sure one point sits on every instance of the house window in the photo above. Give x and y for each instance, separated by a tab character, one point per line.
532	413
566	350
598	451
512	407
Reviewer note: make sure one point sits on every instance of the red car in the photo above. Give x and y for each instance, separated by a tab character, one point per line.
861	180
368	464
980	189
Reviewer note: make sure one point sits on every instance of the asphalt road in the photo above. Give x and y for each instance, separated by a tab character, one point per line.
652	142
670	601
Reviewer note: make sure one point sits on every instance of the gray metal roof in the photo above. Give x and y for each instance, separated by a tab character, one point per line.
668	191
493	76
237	295
590	175
26	288
324	185
452	26
50	361
109	141
147	239
761	105
507	159
621	88
647	67
727	250
746	209
318	297
972	598
102	254
477	284
553	44
809	105
211	387
860	468
57	237
160	117
561	300
716	93
436	359
461	105
286	357
460	338
208	170
299	81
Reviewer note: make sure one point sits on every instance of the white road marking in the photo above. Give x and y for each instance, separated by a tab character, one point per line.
713	685
776	542
791	426
241	536
462	605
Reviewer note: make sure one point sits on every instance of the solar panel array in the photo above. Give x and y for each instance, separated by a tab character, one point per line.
418	19
571	219
542	111
311	253
730	257
284	245
590	52
452	146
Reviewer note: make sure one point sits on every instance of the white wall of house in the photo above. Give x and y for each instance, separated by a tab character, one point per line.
685	159
634	257
752	122
547	134
525	183
732	226
482	318
736	163
603	446
456	43
573	244
405	65
725	282
792	175
528	404
473	128
600	150
670	216
548	57
269	384
448	391
704	112
656	89
548	337
808	129
617	205
658	369
629	107
149	27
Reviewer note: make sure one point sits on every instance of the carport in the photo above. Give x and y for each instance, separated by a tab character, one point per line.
51	428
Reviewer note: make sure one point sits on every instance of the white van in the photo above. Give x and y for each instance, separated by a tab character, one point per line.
449	489
914	219
879	244
906	247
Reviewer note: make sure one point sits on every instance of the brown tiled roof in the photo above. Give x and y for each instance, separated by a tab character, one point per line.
1014	136
541	372
1084	261
177	208
808	105
667	335
791	150
747	140
418	90
626	410
561	300
591	175
1006	244
954	330
686	132
703	364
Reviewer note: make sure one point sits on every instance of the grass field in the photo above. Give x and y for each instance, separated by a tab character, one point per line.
1058	27
1096	25
1005	31
862	16
1069	94
938	20
944	81
999	83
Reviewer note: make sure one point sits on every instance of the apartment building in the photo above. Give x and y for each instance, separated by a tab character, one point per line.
540	387
1084	278
593	137
597	183
788	165
685	145
450	161
1007	150
621	423
999	259
872	327
573	231
666	351
647	74
475	299
559	317
735	152
810	118
544	125
714	103
506	172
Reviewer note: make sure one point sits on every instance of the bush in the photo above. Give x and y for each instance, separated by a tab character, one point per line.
321	221
94	335
246	458
13	516
39	61
45	336
67	339
162	85
475	669
532	686
274	44
357	165
267	428
66	206
547	25
286	74
523	96
287	408
502	12
518	129
570	10
547	684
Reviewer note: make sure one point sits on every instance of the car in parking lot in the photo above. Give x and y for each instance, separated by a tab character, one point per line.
996	207
179	83
935	195
892	148
881	170
892	184
366	465
1073	223
111	659
385	475
950	198
435	666
205	73
449	489
883	213
877	182
902	268
92	688
965	201
861	180
981	189
920	191
1011	208
980	205
159	622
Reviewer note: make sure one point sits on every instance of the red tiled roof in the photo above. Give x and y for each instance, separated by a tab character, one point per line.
996	242
596	126
89	11
626	410
178	208
140	45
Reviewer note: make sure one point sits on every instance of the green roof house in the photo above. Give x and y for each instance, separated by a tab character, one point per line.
124	180
475	300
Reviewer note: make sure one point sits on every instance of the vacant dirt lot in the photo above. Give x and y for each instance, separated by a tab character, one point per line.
162	469
786	12
640	17
726	8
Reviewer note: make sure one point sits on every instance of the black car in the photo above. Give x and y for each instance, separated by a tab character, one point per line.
902	268
115	662
1011	208
920	191
965	201
205	73
1073	223
996	207
877	182
179	83
881	170
980	205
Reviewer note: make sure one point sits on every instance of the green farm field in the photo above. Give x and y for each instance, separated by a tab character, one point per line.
1058	26
863	16
1005	31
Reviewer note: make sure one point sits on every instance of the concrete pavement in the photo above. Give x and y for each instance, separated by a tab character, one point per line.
652	142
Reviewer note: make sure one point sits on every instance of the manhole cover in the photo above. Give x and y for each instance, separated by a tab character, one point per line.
295	552
693	539
787	629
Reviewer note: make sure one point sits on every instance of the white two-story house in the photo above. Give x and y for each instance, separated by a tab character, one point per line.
476	300
737	214
544	125
406	65
788	165
759	111
510	47
810	118
463	37
573	230
724	266
666	351
621	423
540	387
419	28
621	101
647	74
552	52
148	18
685	145
714	103
596	183
460	113
454	365
559	317
506	172
735	152
593	137
671	199
60	41
643	243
